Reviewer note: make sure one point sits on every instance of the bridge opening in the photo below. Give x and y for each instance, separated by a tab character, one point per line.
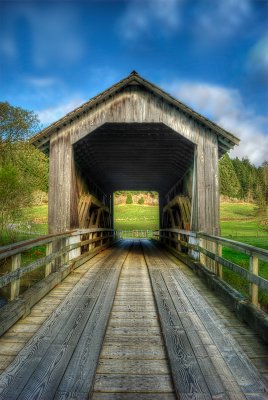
136	157
136	214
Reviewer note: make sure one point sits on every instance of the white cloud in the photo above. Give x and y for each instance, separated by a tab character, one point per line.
141	17
214	21
52	114
258	56
209	21
41	82
225	106
52	32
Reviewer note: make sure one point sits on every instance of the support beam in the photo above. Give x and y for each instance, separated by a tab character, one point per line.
61	183
206	203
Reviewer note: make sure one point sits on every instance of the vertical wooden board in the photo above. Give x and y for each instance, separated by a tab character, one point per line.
74	195
60	182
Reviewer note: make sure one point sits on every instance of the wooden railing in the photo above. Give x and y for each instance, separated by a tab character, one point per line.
134	233
58	252
207	249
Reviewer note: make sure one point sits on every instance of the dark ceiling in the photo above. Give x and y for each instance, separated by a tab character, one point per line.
134	156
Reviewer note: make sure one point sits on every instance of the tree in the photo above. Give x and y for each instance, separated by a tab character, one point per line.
129	199
14	194
23	168
264	174
141	200
229	182
16	124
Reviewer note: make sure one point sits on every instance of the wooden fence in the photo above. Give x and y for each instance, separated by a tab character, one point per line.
136	233
59	255
207	250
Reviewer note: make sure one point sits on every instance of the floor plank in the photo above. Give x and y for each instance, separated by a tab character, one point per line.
133	357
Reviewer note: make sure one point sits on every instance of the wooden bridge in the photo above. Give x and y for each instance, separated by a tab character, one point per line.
127	321
89	315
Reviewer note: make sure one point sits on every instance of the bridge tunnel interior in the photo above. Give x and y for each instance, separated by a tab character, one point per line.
135	156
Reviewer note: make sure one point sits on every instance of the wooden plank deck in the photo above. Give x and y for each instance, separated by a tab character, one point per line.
71	337
206	361
167	337
133	362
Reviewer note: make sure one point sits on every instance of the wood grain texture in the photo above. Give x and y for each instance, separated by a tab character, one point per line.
74	349
201	336
133	383
56	341
133	396
134	126
133	356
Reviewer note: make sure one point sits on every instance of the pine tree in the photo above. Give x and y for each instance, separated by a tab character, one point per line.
229	182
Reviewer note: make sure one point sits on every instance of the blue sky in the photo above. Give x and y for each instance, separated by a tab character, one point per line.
210	54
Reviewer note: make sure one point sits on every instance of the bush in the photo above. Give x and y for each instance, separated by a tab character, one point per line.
129	199
14	194
141	200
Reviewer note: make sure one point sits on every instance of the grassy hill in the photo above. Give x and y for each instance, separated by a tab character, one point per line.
134	216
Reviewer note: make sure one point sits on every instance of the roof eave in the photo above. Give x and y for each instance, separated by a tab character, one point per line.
41	140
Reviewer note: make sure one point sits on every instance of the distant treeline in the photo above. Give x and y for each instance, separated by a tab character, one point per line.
243	180
135	192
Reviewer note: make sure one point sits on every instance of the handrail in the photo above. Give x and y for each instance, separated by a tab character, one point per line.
24	245
134	233
207	249
62	248
244	247
181	231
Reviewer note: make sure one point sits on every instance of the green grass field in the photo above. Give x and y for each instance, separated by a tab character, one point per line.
238	221
134	217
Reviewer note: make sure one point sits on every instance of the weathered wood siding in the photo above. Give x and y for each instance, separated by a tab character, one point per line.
61	182
135	104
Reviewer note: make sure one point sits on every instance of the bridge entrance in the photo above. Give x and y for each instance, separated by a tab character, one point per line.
134	136
139	156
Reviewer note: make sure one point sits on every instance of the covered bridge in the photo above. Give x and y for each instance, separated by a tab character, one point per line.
125	319
134	136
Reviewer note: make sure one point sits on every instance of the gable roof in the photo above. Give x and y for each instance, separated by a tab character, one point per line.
226	139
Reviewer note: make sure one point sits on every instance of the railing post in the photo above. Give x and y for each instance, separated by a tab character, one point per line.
219	266
15	286
202	257
254	290
179	242
48	266
191	252
91	245
75	252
